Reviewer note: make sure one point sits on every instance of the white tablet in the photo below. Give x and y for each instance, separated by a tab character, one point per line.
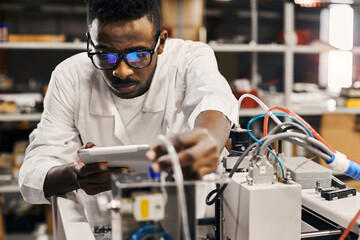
130	156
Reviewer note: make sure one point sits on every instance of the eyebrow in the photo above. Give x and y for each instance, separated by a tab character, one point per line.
131	49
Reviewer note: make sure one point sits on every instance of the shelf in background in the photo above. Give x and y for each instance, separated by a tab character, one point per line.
306	111
276	48
9	188
44	45
20	117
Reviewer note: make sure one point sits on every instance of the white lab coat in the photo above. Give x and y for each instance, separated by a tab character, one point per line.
78	108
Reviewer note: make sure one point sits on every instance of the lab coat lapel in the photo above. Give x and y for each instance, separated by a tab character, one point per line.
156	99
102	104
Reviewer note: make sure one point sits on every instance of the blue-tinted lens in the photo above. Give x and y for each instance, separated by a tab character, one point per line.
133	57
105	60
138	59
111	58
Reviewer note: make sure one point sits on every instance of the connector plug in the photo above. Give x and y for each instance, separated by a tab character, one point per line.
261	171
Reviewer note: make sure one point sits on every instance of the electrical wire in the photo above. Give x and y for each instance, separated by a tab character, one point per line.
256	145
219	191
277	159
282	115
179	180
287	135
276	114
350	226
261	103
286	124
321	154
291	113
285	127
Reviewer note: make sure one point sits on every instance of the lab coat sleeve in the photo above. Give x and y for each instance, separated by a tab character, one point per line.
206	88
55	140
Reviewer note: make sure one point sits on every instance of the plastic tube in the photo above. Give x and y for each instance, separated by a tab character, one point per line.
286	124
321	154
261	103
353	170
179	180
286	135
339	162
291	113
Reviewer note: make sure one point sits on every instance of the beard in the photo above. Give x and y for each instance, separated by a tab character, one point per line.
140	91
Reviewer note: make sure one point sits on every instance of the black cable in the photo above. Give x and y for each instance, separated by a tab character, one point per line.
220	190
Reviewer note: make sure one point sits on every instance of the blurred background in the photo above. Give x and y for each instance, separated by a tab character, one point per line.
304	55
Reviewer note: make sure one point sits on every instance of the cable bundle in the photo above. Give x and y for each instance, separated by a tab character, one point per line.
308	139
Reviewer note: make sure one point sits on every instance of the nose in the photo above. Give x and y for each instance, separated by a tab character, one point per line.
123	70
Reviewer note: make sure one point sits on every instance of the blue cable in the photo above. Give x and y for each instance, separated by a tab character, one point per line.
147	231
276	114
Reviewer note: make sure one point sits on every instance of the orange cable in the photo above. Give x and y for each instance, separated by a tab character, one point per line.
351	225
291	113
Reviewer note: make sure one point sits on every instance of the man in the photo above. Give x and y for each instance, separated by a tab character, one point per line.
132	85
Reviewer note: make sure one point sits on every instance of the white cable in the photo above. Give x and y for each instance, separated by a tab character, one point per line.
263	105
179	180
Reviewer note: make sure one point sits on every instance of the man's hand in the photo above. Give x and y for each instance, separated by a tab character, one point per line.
197	151
92	178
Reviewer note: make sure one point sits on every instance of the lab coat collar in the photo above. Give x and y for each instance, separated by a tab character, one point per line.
157	95
101	102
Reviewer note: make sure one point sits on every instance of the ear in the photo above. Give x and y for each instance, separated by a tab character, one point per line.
163	37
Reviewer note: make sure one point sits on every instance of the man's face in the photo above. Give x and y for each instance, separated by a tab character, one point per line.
124	37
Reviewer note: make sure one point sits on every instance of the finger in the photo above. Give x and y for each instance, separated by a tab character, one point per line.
198	154
89	145
193	159
160	149
89	169
165	165
155	167
180	142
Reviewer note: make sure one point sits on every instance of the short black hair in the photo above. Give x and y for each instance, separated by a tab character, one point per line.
107	10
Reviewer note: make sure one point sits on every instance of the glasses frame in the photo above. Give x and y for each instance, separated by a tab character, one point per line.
120	56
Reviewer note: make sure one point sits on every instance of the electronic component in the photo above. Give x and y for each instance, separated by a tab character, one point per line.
240	139
261	172
147	209
252	212
335	182
148	206
338	193
307	172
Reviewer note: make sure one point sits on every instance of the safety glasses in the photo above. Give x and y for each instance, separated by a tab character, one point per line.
110	60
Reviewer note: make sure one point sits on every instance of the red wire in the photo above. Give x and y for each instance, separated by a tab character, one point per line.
351	225
291	113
